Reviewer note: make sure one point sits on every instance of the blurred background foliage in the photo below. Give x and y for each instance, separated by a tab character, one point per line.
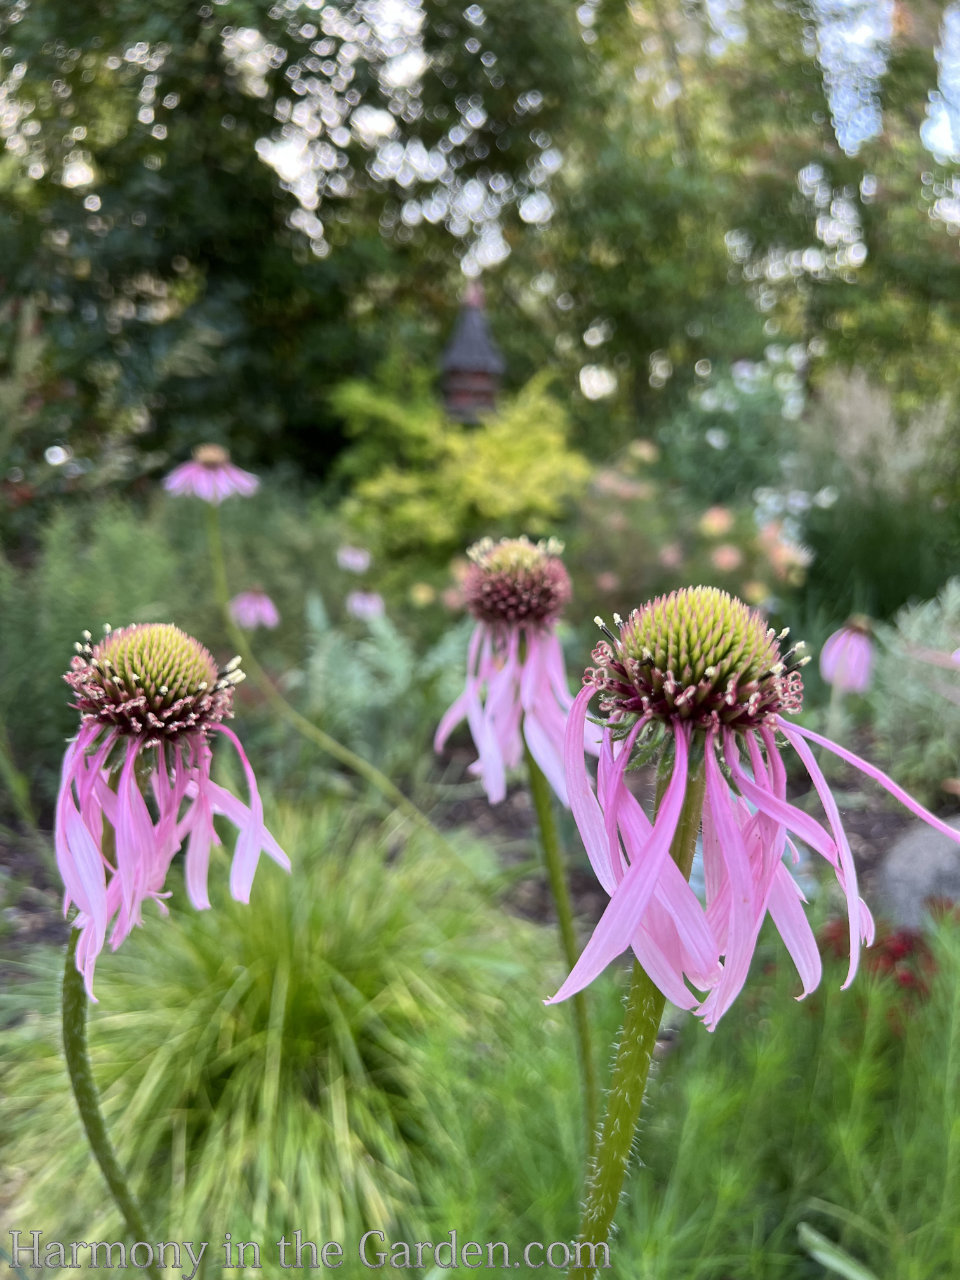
215	219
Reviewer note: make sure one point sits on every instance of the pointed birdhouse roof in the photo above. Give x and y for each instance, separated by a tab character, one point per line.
472	349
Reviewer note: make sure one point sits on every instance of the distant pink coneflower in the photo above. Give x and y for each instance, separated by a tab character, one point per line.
211	475
365	605
846	659
151	699
516	688
703	672
353	559
252	609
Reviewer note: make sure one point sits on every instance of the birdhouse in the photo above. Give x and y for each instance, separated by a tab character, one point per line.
472	363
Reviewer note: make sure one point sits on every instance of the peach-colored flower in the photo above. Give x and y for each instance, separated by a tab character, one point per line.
715	522
786	558
607	581
726	557
670	555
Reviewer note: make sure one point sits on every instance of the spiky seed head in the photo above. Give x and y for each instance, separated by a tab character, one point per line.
211	456
697	655
153	681
516	581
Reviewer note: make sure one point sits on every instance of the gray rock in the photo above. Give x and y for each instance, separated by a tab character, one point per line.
922	864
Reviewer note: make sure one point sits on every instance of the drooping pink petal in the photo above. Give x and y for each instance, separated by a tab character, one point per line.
878	776
660	970
716	882
134	836
802	824
789	917
252	836
742	918
532	672
78	856
490	764
612	794
502	709
583	803
555	669
232	808
673	899
458	710
846	872
547	751
700	952
544	722
199	824
621	919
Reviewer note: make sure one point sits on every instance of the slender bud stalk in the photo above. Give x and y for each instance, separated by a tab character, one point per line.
638	1038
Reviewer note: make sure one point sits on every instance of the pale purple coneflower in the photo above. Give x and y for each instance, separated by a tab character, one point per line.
516	688
353	559
254	608
211	475
846	659
364	605
150	698
702	669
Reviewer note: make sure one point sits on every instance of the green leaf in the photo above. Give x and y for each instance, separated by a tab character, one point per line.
836	1260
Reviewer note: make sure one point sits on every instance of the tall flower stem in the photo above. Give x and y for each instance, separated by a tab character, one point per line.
306	728
88	1099
553	859
638	1038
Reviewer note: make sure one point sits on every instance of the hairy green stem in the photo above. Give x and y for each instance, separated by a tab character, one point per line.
306	728
88	1099
638	1038
553	859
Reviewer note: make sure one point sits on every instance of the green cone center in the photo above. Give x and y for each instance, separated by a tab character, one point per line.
159	659
701	633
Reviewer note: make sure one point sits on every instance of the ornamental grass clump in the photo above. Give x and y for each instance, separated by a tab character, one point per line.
700	679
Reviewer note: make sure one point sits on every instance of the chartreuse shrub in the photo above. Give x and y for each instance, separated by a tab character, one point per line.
445	484
268	1067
